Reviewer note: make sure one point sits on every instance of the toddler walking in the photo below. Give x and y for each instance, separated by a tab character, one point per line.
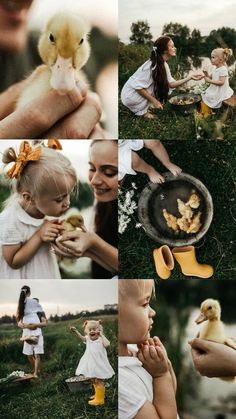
147	382
43	180
129	160
219	89
94	363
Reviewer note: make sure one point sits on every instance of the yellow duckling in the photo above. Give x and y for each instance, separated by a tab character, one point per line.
213	330
74	221
171	220
64	49
194	200
184	209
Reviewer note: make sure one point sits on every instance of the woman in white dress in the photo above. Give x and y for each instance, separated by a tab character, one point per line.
219	89
94	363
151	84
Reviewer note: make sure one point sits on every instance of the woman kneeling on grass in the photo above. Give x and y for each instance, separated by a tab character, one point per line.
150	85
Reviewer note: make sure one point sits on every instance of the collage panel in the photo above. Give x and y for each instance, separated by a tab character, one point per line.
58	209
176	209
58	349
177	70
58	69
176	349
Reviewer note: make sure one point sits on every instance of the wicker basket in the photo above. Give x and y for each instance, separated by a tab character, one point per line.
78	383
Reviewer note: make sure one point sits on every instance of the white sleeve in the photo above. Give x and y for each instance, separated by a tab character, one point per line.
9	232
168	73
223	72
142	79
131	399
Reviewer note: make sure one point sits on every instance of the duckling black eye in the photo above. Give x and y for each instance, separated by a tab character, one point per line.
82	40
210	308
51	37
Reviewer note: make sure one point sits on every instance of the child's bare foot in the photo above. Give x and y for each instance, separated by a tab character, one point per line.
176	170
154	176
148	115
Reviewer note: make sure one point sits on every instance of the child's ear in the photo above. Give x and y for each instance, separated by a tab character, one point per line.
27	197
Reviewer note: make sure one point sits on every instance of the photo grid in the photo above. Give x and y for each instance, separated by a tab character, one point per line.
117	209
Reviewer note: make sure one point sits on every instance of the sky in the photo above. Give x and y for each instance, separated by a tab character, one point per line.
201	14
60	296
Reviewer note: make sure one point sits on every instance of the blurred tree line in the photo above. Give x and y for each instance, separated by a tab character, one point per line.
191	46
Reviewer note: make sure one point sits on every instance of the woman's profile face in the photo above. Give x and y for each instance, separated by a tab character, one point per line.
171	49
103	170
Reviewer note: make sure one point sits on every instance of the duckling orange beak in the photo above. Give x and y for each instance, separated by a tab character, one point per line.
201	318
63	75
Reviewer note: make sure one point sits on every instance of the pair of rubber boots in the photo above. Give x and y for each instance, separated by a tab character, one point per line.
99	396
185	256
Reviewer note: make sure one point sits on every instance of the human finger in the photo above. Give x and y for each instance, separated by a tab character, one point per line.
42	113
69	236
9	98
80	123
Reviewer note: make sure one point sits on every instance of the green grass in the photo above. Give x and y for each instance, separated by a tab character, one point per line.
48	396
170	125
213	162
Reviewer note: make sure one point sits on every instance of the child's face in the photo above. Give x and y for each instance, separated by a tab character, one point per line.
171	49
135	313
93	330
56	200
103	170
216	58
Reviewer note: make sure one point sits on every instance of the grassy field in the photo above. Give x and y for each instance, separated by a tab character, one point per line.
213	162
48	395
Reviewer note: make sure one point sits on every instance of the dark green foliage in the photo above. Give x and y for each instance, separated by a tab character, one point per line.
141	34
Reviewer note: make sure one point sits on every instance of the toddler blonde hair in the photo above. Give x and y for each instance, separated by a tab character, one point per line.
92	323
226	53
128	288
35	175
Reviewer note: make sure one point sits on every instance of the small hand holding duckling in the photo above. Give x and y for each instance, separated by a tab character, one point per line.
213	330
64	49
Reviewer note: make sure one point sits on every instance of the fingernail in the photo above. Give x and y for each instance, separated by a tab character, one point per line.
58	238
82	88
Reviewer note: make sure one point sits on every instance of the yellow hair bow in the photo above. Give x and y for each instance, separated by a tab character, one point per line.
26	154
55	144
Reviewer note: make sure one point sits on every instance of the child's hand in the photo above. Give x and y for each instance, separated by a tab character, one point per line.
207	79
175	170
49	230
73	329
156	103
154	360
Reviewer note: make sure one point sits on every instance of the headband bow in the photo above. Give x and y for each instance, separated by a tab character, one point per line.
26	154
55	144
154	49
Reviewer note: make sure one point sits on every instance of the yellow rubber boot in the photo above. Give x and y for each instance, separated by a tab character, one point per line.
205	110
93	396
99	396
164	261
186	257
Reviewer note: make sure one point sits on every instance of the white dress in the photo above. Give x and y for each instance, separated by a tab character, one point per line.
32	307
141	79
125	156
214	95
16	226
94	363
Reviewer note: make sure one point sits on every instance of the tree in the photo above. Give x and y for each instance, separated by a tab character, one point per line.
180	35
141	34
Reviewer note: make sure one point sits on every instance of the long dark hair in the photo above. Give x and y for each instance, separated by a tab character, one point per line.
106	226
161	85
21	303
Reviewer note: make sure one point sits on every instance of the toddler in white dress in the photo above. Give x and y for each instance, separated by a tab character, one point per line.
219	89
44	179
129	161
147	382
94	363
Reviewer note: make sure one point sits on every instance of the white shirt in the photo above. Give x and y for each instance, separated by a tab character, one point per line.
125	156
214	95
135	387
141	79
16	226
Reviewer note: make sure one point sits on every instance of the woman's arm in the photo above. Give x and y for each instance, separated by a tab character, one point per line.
150	98
18	255
79	243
